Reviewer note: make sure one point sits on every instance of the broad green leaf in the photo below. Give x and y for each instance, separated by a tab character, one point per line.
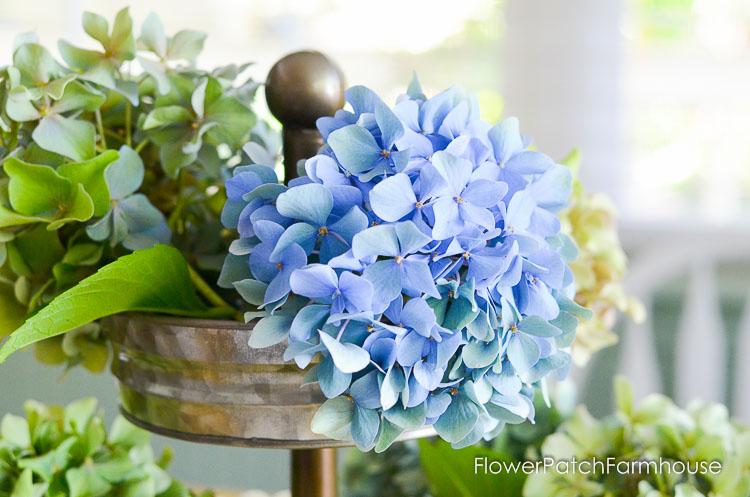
126	434
161	116
96	27
36	64
40	191
91	174
152	35
152	280
185	45
65	136
460	473
624	395
78	97
39	250
24	487
85	482
15	430
234	121
79	413
122	40
79	58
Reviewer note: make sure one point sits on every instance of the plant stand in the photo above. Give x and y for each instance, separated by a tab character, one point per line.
198	380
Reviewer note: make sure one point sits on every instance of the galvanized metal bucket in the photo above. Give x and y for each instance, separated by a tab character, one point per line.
198	380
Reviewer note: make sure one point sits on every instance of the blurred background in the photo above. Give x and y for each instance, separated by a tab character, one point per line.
653	92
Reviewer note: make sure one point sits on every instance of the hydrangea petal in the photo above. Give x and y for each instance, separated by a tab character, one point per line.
393	198
348	357
312	203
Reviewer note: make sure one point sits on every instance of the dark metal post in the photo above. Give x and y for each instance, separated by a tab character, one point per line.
302	87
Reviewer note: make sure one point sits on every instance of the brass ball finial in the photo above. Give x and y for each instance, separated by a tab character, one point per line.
304	86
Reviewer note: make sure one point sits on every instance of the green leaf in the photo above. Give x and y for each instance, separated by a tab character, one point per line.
96	27
185	45
161	116
24	487
79	58
41	192
12	313
91	175
624	395
15	430
124	433
78	97
151	280
152	35
122	40
79	413
36	64
85	482
65	136
453	473
83	254
234	121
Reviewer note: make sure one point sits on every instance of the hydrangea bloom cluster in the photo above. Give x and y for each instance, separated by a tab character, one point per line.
420	257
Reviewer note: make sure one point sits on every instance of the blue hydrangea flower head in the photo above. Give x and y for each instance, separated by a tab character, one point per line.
420	259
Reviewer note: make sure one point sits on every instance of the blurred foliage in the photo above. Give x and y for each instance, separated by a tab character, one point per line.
651	429
113	150
600	268
663	20
66	452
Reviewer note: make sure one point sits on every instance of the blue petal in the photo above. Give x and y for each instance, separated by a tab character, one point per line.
410	238
362	99
353	222
333	382
365	426
454	170
348	357
378	240
458	420
301	234
518	216
366	391
476	215
268	232
325	169
314	281
523	352
308	320
505	138
357	291
437	404
390	126
411	349
448	223
428	375
485	193
355	148
553	189
260	265
529	162
478	354
419	316
385	277
312	203
416	279
293	258
383	352
241	184
392	386
393	198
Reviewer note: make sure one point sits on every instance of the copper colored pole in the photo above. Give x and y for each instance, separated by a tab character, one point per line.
314	473
301	88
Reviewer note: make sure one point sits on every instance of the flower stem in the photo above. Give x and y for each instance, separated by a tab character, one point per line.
128	132
141	146
206	290
100	125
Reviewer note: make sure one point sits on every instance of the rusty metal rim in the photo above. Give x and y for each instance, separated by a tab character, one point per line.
223	324
261	443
